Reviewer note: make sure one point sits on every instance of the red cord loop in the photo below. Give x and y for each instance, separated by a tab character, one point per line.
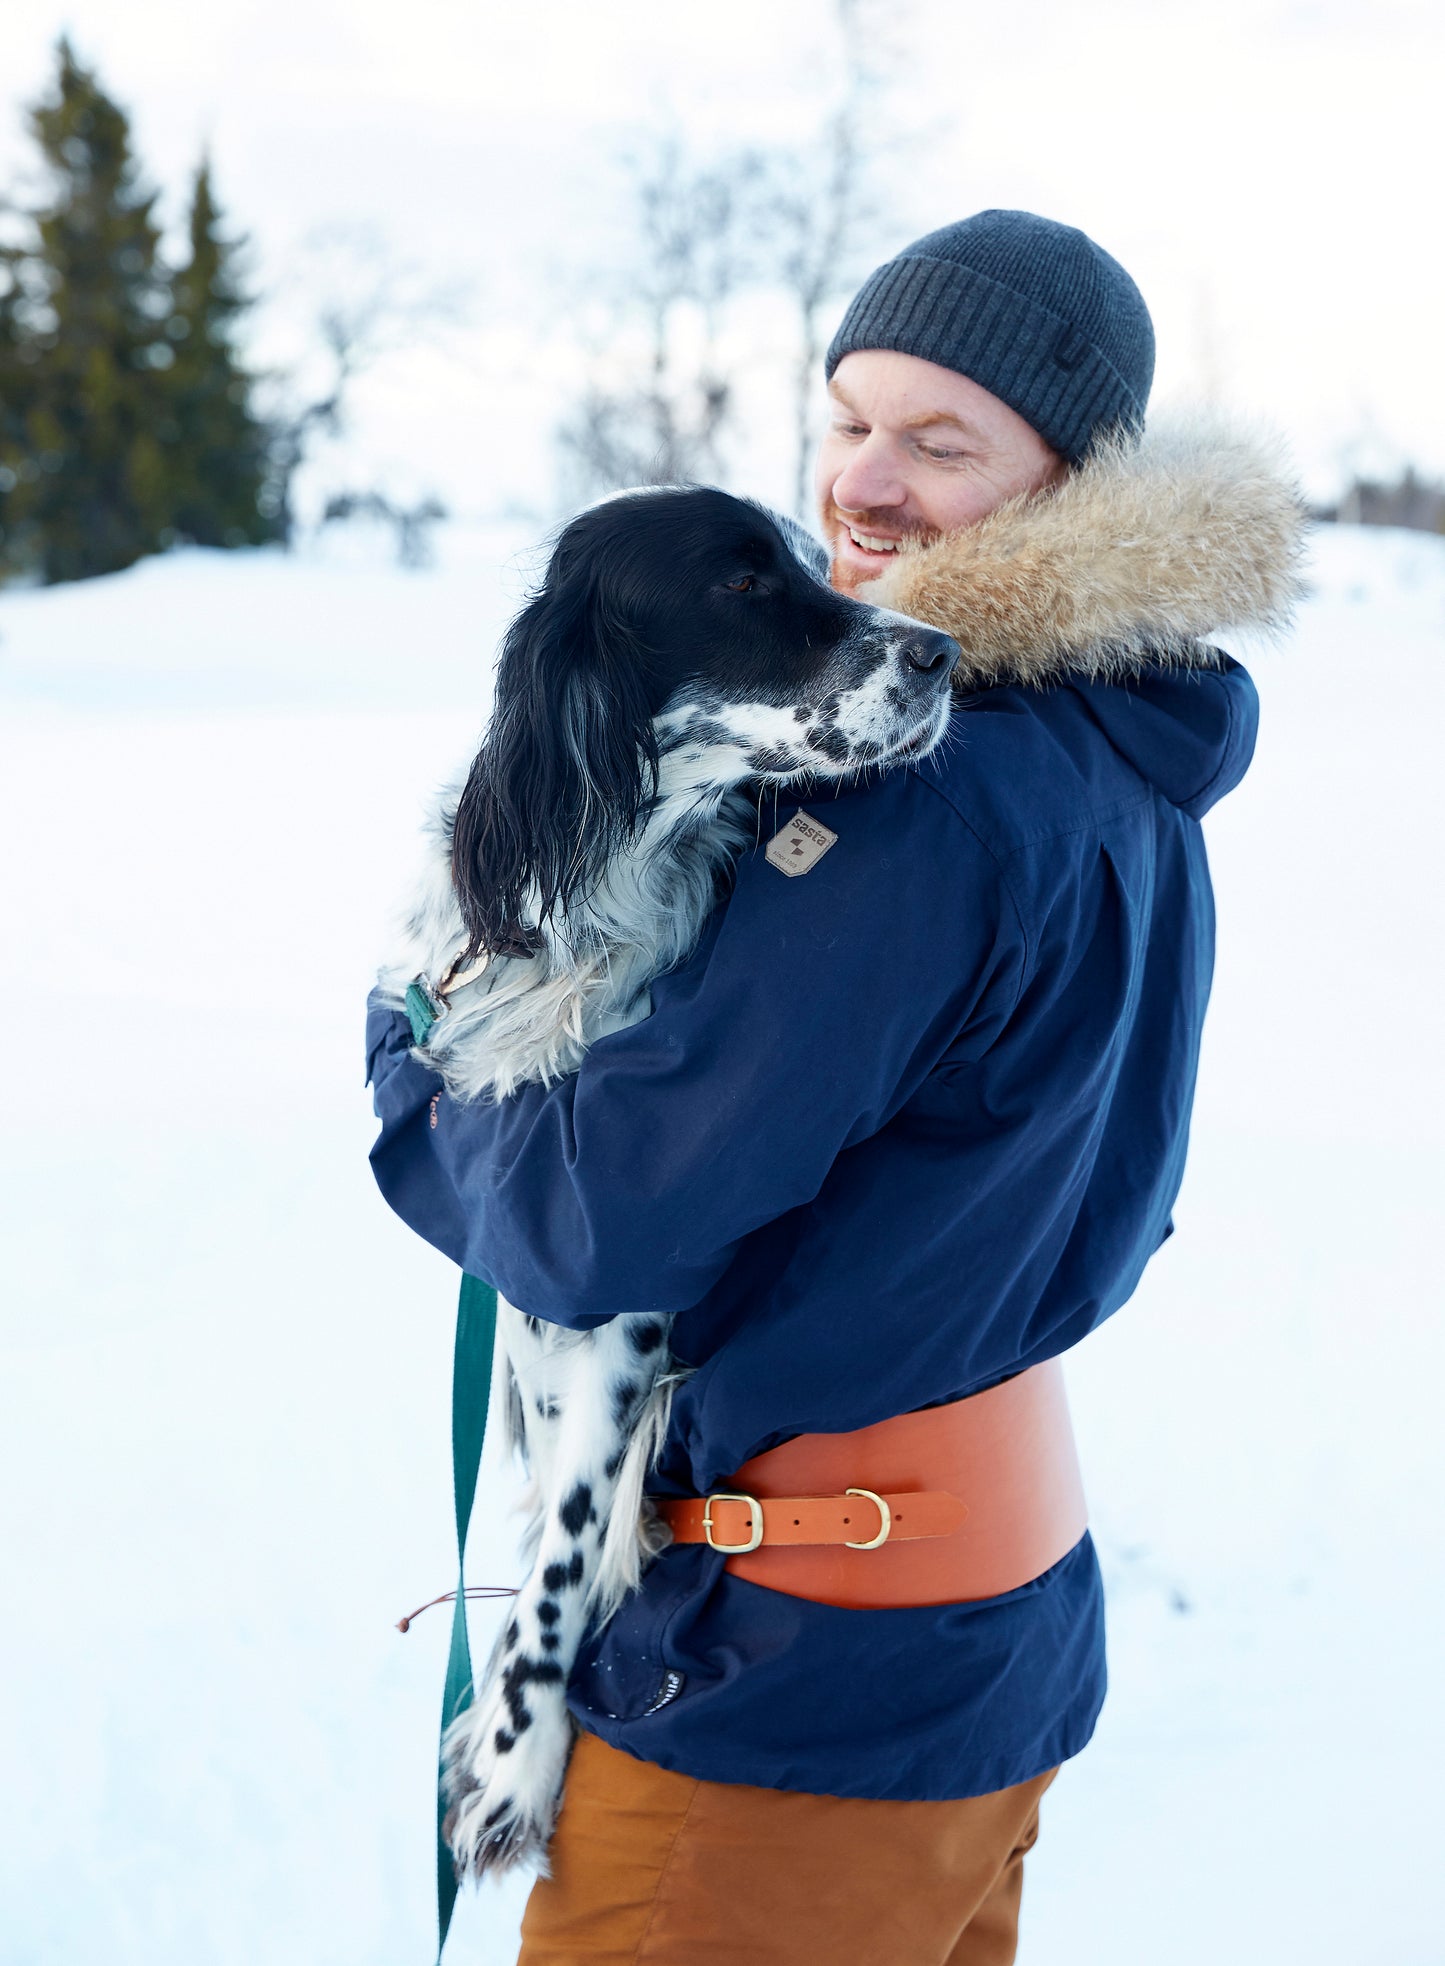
448	1597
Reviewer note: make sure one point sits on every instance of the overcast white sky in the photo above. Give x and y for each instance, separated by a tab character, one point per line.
1268	170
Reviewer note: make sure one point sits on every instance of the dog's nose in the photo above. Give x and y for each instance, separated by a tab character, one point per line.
927	648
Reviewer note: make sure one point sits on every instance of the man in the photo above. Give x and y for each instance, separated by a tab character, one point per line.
978	1014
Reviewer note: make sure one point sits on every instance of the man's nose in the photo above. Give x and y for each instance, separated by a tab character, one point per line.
869	481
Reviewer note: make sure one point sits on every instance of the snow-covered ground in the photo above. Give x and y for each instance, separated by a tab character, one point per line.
223	1417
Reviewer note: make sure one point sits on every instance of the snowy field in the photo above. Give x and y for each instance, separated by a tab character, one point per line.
223	1415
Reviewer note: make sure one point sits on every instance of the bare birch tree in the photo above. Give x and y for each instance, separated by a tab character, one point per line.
804	220
828	209
693	258
363	306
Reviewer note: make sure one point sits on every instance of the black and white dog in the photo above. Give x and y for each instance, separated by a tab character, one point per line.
685	652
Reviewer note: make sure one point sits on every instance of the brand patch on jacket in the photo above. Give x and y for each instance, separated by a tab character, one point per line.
799	845
672	1685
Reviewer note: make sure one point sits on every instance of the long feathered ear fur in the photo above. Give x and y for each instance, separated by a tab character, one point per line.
557	788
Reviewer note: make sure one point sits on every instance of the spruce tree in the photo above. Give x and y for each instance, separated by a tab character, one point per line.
88	452
219	471
17	394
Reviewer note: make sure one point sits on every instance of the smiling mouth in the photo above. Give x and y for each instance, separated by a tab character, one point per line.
869	542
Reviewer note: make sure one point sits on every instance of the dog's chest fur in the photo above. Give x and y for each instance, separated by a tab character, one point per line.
533	1019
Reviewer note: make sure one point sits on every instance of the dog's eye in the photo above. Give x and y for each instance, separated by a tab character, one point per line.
743	584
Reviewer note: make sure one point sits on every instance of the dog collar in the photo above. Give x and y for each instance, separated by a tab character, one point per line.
425	1006
426	1002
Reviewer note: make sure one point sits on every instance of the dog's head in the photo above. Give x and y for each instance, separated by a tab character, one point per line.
683	641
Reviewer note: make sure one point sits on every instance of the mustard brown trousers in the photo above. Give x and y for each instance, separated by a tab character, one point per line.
651	1868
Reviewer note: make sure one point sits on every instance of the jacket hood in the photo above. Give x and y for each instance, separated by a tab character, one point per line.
1189	731
1139	555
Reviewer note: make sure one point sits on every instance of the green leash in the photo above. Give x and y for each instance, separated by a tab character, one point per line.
471	1393
471	1390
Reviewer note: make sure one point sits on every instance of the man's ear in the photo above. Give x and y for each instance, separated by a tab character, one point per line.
1058	474
557	787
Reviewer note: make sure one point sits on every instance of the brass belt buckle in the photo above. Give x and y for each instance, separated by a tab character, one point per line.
885	1527
755	1522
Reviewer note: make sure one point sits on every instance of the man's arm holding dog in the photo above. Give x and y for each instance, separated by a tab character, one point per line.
812	1009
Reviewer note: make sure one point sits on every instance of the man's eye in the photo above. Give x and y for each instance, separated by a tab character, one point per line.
744	584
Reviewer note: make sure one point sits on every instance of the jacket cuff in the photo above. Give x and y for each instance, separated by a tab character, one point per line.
392	1067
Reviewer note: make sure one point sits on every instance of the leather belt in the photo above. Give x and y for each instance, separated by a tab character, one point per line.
945	1506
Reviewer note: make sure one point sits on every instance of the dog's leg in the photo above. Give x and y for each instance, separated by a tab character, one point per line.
518	1387
583	1394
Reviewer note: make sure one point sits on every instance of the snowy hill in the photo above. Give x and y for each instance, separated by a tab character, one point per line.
223	1409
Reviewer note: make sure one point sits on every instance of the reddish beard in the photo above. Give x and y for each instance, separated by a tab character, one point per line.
845	576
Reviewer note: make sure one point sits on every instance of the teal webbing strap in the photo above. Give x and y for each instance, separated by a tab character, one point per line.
471	1390
421	1012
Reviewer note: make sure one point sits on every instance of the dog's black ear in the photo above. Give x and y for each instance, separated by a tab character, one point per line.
558	785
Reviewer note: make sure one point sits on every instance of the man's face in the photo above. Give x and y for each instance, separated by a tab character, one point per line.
913	449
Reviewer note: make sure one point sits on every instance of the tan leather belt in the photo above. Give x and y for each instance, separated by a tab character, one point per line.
946	1506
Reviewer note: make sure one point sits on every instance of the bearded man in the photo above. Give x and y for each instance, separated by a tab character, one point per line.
981	1010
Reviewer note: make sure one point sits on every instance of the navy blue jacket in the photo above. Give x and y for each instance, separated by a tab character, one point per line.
900	1127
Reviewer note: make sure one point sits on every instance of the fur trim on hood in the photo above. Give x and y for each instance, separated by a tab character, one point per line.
1140	553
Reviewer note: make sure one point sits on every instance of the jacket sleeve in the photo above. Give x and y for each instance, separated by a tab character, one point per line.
812	1008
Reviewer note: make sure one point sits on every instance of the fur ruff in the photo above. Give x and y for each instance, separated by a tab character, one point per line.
1140	554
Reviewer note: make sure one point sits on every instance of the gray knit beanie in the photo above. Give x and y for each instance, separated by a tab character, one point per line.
1032	311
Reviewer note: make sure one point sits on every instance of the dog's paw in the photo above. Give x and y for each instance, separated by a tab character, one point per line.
504	1787
488	1842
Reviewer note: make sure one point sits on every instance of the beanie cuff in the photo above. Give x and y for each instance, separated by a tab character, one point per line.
1034	360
